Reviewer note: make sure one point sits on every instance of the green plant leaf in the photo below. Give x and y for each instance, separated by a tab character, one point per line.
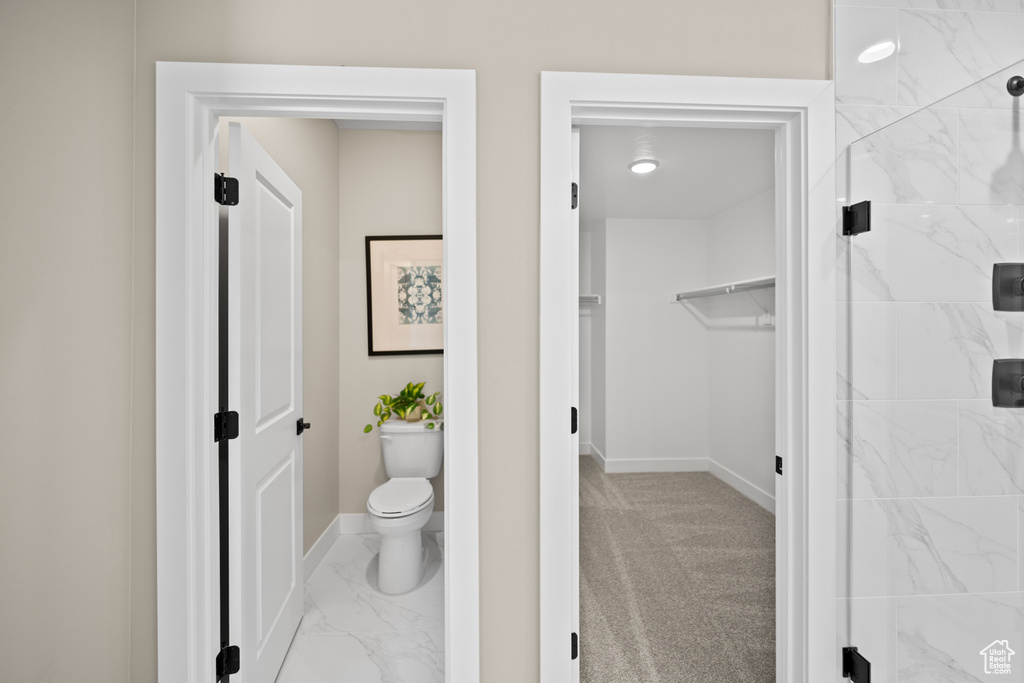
430	425
377	410
439	409
431	399
367	429
426	415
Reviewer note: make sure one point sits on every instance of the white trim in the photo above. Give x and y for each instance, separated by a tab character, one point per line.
744	486
802	114
598	457
189	99
586	448
316	553
638	465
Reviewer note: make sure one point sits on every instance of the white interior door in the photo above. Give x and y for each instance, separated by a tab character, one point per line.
265	338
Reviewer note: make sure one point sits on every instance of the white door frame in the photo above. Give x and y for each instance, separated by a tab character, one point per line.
190	98
802	112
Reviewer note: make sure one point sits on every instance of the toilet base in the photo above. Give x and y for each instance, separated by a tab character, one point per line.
400	564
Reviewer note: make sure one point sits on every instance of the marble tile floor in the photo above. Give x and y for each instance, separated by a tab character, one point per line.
350	631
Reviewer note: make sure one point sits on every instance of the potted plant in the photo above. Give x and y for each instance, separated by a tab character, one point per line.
410	404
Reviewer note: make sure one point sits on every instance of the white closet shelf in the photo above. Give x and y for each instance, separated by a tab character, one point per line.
727	288
714	308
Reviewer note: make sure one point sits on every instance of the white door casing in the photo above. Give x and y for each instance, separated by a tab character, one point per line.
265	358
574	596
802	115
190	97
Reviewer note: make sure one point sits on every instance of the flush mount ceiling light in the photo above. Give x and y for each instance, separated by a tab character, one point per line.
877	53
642	166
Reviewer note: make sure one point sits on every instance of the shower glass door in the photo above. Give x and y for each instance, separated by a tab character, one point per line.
930	475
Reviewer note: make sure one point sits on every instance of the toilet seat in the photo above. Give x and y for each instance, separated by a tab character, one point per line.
400	497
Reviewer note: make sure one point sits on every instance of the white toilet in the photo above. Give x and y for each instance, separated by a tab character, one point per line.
400	508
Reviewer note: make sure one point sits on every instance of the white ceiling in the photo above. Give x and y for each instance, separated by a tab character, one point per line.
702	170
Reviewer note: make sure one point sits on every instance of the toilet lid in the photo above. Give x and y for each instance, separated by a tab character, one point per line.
400	496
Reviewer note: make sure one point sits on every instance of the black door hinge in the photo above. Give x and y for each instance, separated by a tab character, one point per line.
575	646
228	661
857	218
574	421
225	425
301	426
225	189
855	667
575	195
778	464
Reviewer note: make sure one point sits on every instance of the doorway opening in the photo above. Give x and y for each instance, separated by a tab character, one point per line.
190	100
677	403
799	115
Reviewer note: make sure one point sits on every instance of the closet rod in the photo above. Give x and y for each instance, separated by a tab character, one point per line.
729	288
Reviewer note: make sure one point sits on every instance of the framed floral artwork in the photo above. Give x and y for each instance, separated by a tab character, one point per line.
404	295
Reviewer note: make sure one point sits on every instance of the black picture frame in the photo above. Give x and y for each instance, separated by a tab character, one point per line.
392	338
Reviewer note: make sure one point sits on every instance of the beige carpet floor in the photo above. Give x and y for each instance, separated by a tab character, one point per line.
677	580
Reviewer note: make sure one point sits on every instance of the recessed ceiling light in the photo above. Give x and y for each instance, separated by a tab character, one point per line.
877	53
643	166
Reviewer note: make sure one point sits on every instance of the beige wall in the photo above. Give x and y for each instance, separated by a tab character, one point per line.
307	150
78	519
390	185
66	299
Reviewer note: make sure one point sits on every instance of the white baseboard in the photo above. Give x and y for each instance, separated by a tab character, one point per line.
320	548
751	491
352	523
624	465
586	448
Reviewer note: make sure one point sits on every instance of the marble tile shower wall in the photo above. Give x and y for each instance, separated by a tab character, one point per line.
930	486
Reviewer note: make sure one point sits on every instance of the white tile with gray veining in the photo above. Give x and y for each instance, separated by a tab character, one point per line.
946	350
988	93
952	249
870	625
866	350
912	161
971	5
991	157
350	631
941	638
855	121
991	449
943	52
341	594
896	449
379	657
857	82
927	546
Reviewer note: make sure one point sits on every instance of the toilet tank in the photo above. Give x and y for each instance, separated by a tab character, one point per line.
412	450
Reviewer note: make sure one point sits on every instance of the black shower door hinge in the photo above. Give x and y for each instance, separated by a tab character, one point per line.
225	425
575	647
855	667
857	218
575	195
225	189
228	661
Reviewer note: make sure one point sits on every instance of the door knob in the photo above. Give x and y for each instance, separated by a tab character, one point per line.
301	426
